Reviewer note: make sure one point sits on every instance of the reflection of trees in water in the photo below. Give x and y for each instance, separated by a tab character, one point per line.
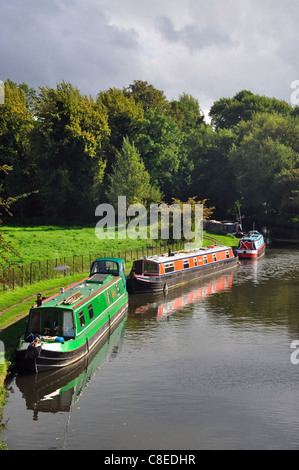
265	292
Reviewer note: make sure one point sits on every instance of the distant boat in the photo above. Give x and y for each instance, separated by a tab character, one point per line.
65	327
161	272
251	246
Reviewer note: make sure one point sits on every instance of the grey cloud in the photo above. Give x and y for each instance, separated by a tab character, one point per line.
192	36
208	49
51	41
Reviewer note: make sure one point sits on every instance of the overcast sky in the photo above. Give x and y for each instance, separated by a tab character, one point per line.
207	48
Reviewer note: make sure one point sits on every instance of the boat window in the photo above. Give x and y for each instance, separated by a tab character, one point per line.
81	318
137	267
205	259
68	330
150	267
195	261
55	324
214	257
109	297
105	267
186	264
169	267
227	254
35	322
47	324
90	311
117	290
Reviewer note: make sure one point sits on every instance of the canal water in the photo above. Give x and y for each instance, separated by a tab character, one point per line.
209	366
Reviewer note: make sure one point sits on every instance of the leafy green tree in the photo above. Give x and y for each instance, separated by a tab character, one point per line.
159	143
6	247
228	112
68	137
147	96
187	112
129	178
16	124
205	169
124	116
264	160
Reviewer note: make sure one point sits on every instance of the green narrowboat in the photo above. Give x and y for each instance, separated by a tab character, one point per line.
64	328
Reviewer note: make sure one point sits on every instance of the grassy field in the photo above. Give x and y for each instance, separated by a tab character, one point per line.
50	242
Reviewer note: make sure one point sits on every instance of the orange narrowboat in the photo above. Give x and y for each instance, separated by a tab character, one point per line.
161	272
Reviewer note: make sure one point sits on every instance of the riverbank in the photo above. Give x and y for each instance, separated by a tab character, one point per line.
3	373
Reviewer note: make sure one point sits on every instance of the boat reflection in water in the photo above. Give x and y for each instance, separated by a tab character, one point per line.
163	306
58	390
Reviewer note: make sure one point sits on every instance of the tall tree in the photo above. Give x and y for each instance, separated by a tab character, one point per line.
124	116
16	124
159	143
129	178
147	96
69	133
265	158
228	112
187	112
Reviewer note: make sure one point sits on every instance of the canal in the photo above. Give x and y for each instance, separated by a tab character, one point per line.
209	366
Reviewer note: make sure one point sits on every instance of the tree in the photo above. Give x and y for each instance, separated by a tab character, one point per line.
187	112
124	116
265	158
16	124
159	143
129	178
6	248
228	112
147	96
68	137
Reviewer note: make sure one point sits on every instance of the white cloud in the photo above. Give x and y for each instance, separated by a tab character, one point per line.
207	49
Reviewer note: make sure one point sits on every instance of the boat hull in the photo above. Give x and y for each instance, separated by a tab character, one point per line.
54	355
142	284
252	254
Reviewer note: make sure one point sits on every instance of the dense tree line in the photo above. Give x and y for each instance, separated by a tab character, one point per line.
69	152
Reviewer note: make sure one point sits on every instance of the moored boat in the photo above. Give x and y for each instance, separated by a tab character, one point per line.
162	272
251	246
64	328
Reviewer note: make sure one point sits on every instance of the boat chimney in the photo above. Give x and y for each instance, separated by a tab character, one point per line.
39	300
62	290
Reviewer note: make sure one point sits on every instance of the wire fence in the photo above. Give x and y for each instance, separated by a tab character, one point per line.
22	275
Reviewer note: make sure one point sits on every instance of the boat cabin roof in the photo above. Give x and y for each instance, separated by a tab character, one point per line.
252	236
179	255
103	272
76	294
